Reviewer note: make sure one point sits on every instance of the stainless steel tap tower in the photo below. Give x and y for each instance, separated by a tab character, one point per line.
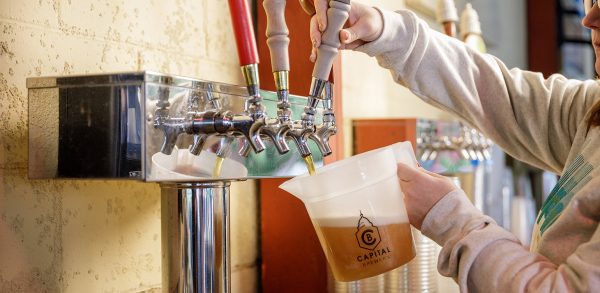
167	129
193	137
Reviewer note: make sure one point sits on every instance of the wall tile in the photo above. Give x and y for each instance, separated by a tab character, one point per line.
101	236
244	224
244	281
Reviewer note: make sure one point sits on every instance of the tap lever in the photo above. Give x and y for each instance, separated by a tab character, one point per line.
278	41
248	55
328	127
277	34
317	86
244	32
337	14
253	104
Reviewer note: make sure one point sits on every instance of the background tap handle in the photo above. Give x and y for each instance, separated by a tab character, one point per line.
337	14
277	34
244	32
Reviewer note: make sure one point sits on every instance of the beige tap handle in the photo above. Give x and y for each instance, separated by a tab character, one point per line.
277	34
337	14
447	15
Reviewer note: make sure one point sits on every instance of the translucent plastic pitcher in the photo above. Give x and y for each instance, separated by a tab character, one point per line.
357	209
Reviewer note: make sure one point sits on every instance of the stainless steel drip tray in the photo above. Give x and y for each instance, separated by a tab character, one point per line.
102	127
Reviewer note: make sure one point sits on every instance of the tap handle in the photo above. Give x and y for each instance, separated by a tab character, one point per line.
244	32
447	15
337	14
277	34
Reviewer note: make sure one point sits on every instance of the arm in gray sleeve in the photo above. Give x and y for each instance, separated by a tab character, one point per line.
531	118
483	257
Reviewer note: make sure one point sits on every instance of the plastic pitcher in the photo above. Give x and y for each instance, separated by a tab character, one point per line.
357	209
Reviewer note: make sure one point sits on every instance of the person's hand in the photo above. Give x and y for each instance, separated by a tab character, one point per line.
422	190
365	25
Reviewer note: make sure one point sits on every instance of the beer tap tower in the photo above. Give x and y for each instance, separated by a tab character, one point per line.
173	130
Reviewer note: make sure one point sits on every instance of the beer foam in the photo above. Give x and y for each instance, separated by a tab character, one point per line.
353	221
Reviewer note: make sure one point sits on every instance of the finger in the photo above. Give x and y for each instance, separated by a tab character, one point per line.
313	55
348	35
363	29
407	173
321	8
315	34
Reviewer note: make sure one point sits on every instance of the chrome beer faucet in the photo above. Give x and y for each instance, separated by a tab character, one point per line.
277	129
278	41
213	104
201	124
328	127
304	130
172	127
337	14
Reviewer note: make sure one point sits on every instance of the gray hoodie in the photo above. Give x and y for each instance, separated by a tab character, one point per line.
540	121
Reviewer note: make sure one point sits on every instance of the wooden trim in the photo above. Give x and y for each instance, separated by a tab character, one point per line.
337	141
542	43
370	134
291	255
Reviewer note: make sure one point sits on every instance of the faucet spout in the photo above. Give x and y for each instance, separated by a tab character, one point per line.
321	137
277	131
199	140
250	128
300	134
171	127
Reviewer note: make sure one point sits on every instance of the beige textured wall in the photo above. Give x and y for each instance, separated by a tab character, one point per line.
101	236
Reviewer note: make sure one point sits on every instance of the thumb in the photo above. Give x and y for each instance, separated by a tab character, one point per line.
365	29
407	173
348	35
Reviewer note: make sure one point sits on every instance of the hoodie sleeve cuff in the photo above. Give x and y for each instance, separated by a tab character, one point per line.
398	33
454	214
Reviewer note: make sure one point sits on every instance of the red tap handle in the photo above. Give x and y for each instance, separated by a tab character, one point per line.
244	32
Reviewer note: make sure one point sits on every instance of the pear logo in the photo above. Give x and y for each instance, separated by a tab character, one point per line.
367	234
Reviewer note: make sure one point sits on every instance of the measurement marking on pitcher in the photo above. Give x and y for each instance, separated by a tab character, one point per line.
310	164
217	169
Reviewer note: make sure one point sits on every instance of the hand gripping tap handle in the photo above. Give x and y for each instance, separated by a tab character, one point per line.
337	14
